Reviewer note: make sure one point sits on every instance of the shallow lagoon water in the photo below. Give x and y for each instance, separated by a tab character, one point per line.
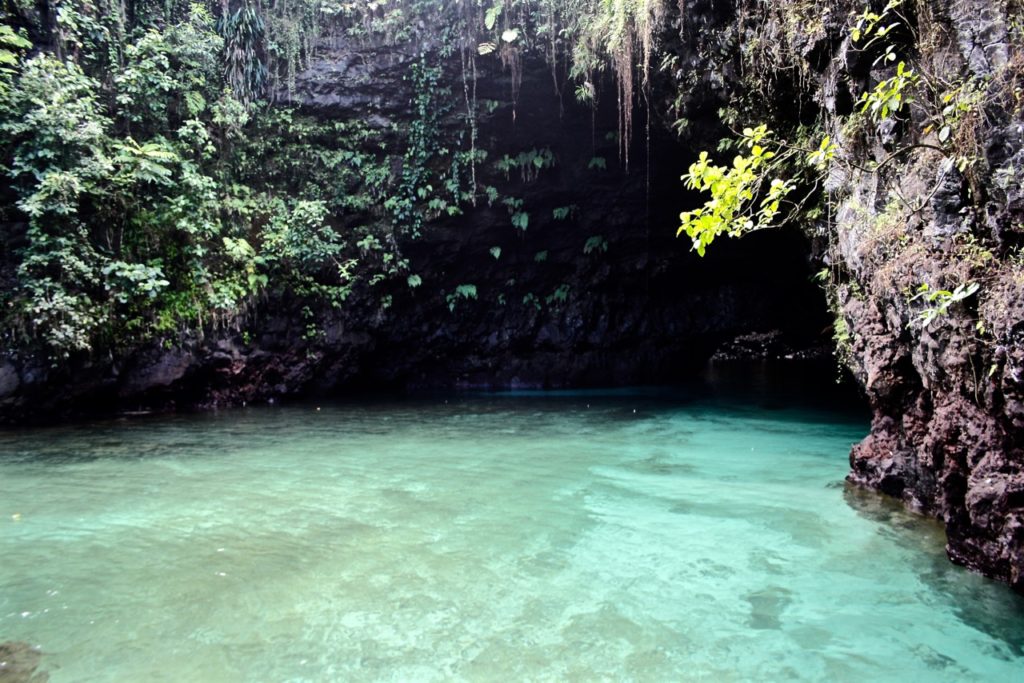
632	535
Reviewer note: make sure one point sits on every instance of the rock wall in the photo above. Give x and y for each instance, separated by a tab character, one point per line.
603	296
948	431
928	197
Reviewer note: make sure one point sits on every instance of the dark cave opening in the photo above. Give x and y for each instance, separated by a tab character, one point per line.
607	295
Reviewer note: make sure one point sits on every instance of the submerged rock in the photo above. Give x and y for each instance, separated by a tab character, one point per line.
772	345
19	663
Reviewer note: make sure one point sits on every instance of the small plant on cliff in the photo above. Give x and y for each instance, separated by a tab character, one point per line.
941	299
890	95
465	291
595	243
529	163
559	296
562	213
521	220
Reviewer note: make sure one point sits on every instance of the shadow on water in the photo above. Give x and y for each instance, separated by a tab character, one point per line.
738	388
996	613
767	606
125	439
776	385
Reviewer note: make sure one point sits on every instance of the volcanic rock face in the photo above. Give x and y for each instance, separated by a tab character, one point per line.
947	434
908	212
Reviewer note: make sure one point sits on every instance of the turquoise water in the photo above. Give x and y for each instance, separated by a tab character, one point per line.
645	536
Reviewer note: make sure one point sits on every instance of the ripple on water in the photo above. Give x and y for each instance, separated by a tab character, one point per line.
487	538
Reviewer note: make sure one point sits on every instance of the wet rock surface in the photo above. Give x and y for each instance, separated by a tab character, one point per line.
945	439
946	436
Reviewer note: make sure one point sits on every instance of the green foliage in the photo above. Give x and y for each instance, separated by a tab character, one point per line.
744	197
153	188
889	95
823	155
12	44
842	338
520	220
160	192
595	243
559	296
584	93
127	279
59	157
424	147
155	191
871	26
172	76
960	104
464	291
529	163
563	212
491	16
941	299
244	69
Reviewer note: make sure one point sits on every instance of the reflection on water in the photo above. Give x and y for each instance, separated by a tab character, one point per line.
651	535
974	603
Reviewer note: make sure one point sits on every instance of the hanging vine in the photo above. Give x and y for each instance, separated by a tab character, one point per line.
245	67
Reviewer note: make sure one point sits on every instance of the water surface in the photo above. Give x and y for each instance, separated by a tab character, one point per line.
620	536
